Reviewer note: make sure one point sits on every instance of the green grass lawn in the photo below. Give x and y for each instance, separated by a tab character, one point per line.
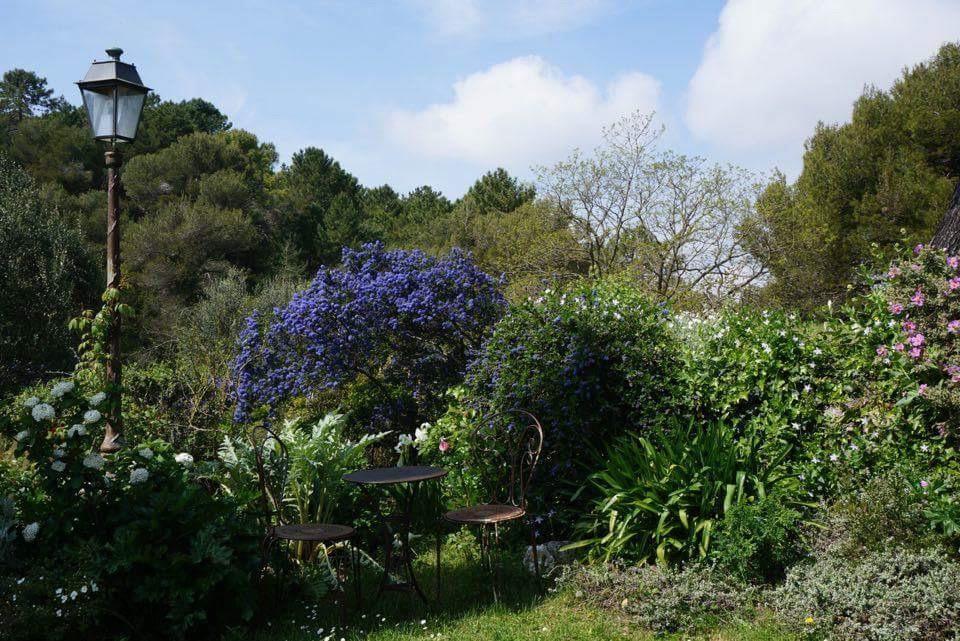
466	610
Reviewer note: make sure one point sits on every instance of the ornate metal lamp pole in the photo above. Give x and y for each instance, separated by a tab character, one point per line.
113	96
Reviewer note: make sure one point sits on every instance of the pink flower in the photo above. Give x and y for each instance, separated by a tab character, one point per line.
899	347
444	445
917	298
909	326
915	267
954	284
924	484
953	262
923	389
882	351
918	248
916	352
896	308
894	272
954	327
917	340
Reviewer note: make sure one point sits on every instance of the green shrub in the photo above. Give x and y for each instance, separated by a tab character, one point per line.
660	599
662	496
151	551
591	362
758	541
45	273
898	509
893	595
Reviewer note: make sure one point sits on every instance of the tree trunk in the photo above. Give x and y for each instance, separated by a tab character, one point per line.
948	232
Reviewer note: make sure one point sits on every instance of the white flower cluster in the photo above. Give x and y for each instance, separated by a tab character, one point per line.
62	388
43	412
183	459
418	437
76	430
91	416
22	436
146	453
58	466
31	402
139	475
94	461
30	532
96	399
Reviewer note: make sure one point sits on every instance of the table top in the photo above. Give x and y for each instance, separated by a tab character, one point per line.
393	475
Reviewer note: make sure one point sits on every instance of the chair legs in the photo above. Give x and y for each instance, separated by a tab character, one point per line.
536	557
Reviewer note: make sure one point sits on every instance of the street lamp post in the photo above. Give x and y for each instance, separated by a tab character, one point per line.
113	96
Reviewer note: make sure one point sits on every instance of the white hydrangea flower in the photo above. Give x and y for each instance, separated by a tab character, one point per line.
22	435
92	416
58	466
76	430
97	398
43	412
31	402
139	475
146	453
30	532
94	461
184	459
61	388
58	452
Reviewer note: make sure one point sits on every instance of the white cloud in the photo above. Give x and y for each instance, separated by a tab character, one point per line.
510	18
520	112
774	68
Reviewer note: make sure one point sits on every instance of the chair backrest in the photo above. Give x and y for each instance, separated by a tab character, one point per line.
513	440
272	459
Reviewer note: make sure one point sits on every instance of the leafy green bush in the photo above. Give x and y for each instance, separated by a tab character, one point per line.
893	595
45	273
661	599
758	541
317	458
591	362
151	551
662	496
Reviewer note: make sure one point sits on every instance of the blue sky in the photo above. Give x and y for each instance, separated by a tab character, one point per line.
436	92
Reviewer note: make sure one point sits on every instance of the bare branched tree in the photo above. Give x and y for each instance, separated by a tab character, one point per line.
673	220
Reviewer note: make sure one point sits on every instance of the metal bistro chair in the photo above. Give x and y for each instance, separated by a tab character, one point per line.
508	501
273	480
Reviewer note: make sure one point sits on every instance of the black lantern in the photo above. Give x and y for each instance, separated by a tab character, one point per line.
113	96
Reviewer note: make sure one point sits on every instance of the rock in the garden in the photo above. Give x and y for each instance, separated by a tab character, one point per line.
550	555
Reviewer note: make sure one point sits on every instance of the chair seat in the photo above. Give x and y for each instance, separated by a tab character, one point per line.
312	532
487	513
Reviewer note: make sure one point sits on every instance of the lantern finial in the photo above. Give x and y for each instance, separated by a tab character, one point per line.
115	53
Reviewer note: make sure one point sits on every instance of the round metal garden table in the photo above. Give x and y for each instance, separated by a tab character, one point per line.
399	523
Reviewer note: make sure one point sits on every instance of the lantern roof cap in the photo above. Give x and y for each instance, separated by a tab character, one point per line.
113	71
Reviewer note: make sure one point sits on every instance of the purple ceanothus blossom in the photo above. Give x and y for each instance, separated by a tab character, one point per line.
383	315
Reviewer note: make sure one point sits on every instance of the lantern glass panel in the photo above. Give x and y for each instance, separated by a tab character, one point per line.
129	105
99	104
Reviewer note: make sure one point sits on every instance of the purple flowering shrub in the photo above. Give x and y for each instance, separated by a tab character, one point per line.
591	362
401	322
